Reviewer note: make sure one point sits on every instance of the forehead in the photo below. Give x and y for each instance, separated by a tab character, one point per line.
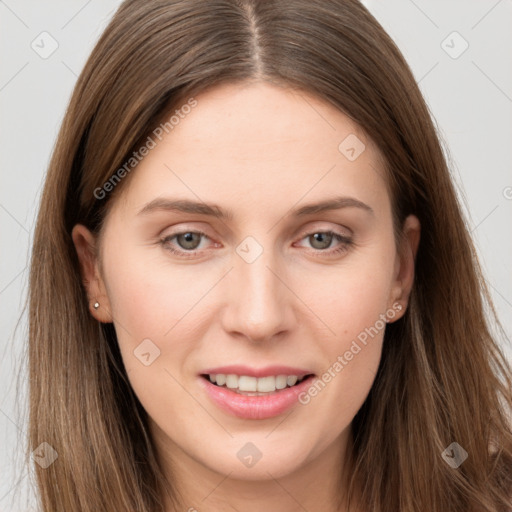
262	145
256	115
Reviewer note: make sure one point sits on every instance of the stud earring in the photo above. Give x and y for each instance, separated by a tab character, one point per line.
96	305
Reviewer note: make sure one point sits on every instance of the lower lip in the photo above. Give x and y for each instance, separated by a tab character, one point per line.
255	407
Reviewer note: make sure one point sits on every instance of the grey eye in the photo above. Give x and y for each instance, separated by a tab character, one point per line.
320	240
189	240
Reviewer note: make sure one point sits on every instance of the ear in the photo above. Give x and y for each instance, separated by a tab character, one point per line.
86	248
404	266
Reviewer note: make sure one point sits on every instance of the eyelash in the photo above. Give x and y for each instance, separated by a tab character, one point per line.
345	243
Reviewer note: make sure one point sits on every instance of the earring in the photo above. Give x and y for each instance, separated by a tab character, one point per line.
96	305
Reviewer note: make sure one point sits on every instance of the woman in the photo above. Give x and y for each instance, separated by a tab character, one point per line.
252	287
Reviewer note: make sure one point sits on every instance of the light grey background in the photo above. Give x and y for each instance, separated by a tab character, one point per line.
470	97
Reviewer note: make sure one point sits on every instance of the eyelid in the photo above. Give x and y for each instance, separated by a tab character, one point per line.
184	227
321	227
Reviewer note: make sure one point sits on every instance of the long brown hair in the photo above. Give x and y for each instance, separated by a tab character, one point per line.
442	376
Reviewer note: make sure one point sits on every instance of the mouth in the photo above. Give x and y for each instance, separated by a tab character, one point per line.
264	394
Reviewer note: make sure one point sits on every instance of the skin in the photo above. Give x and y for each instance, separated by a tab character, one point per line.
259	151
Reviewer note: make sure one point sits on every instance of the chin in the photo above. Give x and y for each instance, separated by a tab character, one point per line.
259	459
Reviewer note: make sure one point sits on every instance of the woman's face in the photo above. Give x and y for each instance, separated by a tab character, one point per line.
259	287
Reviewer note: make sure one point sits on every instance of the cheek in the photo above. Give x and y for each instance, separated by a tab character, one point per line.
353	304
352	296
352	360
148	297
152	307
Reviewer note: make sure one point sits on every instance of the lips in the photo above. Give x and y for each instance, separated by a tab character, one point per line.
252	393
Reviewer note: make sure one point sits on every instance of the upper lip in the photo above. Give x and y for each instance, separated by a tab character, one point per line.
266	371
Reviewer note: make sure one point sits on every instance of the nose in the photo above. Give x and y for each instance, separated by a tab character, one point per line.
260	305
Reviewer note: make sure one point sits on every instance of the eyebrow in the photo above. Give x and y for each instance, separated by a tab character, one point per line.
188	206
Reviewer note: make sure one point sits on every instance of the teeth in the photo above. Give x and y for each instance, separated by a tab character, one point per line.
232	381
265	384
281	381
248	383
254	384
291	380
